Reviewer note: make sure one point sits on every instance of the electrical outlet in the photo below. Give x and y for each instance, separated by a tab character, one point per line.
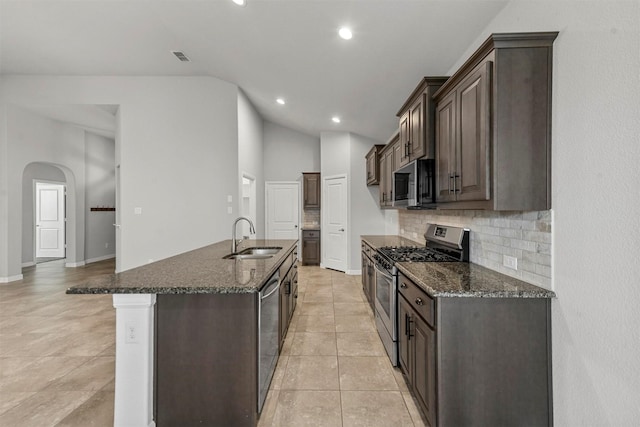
510	262
131	333
229	209
137	211
106	245
414	235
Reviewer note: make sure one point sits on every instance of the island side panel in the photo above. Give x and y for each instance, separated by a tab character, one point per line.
494	365
206	352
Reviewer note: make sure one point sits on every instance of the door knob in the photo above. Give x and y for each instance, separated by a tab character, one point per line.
342	229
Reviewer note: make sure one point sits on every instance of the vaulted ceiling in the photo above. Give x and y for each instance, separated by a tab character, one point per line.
269	48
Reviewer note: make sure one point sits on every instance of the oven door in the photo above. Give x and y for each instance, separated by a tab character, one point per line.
386	315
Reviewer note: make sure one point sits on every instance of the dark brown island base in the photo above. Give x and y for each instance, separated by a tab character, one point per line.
218	328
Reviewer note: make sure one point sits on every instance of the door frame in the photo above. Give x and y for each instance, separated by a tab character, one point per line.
323	229
253	200
34	212
267	184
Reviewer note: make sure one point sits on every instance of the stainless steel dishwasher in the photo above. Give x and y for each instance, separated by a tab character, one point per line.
268	328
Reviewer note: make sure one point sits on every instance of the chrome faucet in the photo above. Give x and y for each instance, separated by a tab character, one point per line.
234	242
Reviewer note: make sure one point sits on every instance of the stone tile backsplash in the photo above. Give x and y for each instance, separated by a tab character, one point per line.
309	216
524	235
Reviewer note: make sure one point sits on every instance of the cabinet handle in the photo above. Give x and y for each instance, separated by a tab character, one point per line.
450	186
455	186
409	144
403	285
419	301
406	149
407	326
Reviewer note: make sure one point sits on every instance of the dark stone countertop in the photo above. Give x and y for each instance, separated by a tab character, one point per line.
459	279
465	279
380	241
200	271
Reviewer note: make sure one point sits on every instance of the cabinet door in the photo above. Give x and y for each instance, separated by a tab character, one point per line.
417	147
445	147
472	168
404	337
383	180
389	176
405	131
397	154
371	169
285	289
310	251
312	191
424	367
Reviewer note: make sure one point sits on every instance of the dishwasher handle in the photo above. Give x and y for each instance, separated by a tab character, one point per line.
275	280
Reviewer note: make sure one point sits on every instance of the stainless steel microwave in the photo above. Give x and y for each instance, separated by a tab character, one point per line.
414	185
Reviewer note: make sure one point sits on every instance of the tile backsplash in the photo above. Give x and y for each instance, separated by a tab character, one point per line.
524	235
309	216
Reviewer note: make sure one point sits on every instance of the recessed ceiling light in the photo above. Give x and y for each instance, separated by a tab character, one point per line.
345	33
240	2
280	101
335	119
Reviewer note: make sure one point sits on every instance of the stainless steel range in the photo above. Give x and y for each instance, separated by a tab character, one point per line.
443	244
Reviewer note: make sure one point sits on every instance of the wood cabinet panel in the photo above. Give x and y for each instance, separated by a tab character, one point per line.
417	141
501	126
373	170
310	247
311	190
424	367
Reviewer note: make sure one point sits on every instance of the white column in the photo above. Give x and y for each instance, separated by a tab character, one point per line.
134	360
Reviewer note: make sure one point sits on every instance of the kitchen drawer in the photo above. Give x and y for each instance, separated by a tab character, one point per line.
367	250
422	303
310	234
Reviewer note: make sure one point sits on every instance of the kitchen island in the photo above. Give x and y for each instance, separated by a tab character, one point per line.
191	343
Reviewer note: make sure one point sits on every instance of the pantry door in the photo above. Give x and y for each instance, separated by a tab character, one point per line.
334	222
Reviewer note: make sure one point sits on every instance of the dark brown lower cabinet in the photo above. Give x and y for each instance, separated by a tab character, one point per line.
368	275
476	361
310	247
417	353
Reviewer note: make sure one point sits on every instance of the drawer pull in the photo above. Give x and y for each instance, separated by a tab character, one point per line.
419	301
403	285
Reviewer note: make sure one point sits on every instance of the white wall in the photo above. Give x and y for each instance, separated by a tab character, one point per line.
250	158
344	153
288	153
366	215
596	201
176	137
100	191
33	171
35	138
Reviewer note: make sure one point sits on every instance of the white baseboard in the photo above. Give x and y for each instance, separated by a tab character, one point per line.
353	272
100	258
28	264
11	278
75	264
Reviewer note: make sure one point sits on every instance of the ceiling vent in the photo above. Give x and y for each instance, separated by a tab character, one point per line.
181	56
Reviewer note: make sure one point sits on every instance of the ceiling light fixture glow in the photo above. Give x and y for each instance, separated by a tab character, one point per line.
335	119
240	2
345	33
280	101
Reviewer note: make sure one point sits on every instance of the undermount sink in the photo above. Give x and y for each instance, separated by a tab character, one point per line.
254	253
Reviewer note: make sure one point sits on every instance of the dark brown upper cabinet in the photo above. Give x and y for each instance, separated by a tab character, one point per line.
386	164
493	127
416	122
311	190
373	169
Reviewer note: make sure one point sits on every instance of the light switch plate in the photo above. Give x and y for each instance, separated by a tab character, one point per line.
229	198
229	210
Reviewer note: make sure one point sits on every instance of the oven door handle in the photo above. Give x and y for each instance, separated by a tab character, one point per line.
383	272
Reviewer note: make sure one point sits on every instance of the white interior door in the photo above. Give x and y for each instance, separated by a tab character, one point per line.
49	220
282	210
334	222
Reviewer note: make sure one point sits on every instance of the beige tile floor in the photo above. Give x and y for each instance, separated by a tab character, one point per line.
333	370
57	351
57	356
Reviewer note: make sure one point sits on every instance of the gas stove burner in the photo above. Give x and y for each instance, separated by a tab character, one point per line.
414	254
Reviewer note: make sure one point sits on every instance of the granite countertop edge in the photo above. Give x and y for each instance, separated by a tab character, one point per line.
200	271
